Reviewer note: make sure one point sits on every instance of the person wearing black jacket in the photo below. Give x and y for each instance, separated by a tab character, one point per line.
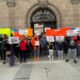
72	52
60	46
5	47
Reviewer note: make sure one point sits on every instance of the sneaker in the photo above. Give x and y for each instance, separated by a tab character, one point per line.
75	61
67	60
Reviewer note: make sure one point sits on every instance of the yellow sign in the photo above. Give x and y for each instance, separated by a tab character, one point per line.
6	31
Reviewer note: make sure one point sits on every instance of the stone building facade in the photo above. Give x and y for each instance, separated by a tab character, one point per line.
20	14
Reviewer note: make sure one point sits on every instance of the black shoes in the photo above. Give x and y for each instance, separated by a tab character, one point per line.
75	61
4	62
67	60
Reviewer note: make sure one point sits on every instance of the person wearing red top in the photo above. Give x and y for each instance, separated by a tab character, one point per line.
23	49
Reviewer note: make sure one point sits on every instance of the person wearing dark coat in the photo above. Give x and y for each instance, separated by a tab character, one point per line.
72	52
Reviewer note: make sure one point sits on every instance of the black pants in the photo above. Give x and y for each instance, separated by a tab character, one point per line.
44	51
4	55
23	56
1	57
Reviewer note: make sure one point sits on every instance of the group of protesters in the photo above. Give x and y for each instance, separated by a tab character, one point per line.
38	46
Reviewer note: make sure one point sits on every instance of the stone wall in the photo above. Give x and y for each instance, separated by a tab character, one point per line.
4	17
22	7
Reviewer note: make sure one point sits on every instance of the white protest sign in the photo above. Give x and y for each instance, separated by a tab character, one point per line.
13	40
50	38
37	43
59	38
23	32
37	31
38	25
47	29
77	30
71	33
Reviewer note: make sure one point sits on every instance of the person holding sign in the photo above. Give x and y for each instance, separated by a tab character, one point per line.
36	45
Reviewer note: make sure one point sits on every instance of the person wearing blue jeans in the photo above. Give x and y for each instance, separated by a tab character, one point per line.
37	52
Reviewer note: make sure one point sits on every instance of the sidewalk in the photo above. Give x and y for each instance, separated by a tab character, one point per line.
42	70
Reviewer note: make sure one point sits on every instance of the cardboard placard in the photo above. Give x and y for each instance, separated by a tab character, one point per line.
77	31
71	33
23	32
50	38
38	31
13	40
36	43
59	38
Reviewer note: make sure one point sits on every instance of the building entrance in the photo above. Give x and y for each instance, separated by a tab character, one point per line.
43	18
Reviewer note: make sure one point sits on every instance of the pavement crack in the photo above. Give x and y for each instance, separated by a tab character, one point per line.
46	70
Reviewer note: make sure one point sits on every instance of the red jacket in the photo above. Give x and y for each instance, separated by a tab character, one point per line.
78	42
23	45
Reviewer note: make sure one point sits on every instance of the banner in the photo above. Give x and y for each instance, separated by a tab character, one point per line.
59	38
13	40
49	32
50	38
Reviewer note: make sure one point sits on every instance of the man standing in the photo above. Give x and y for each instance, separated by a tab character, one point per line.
72	52
43	45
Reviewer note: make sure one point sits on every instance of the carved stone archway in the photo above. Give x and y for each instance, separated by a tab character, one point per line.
53	8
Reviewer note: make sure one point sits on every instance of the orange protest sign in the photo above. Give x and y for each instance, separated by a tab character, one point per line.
59	33
16	34
30	32
49	32
64	30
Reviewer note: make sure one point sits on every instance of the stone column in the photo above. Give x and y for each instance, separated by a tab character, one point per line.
75	4
11	4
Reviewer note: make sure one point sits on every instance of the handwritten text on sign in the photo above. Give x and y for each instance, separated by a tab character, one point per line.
59	38
50	38
37	43
13	40
23	32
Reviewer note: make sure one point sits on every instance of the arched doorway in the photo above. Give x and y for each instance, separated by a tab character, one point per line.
45	17
49	16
